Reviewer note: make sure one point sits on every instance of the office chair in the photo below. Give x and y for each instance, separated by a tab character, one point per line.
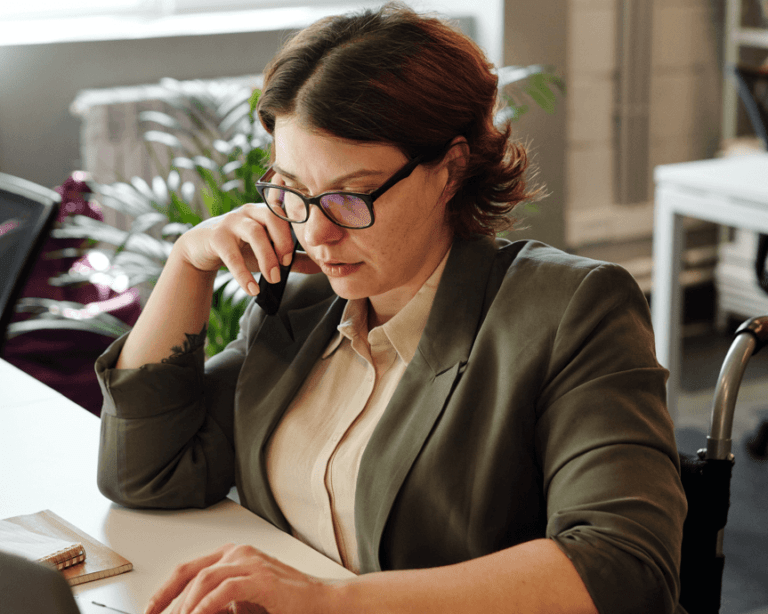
706	479
27	212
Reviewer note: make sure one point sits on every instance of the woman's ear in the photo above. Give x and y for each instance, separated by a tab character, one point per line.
455	161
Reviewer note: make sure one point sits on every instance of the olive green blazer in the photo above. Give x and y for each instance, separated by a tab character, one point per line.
534	407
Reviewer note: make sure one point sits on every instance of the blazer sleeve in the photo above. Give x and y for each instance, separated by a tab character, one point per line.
605	440
167	429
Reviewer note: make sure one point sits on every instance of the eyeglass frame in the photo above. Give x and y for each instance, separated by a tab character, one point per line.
367	199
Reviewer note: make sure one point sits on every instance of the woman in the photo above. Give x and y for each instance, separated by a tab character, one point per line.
470	424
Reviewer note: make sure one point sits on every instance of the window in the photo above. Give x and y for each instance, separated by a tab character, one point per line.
46	9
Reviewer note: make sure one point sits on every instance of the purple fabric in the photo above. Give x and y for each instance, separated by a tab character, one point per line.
64	359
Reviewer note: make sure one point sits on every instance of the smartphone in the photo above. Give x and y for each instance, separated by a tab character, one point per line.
271	295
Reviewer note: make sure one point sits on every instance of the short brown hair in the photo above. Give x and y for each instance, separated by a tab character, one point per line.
411	80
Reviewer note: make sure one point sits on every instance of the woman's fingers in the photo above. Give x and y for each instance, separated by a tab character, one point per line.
248	240
214	588
238	574
180	578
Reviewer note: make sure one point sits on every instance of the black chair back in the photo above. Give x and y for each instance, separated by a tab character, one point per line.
27	212
707	484
706	479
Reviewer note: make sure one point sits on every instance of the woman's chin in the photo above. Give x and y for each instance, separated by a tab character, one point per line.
350	289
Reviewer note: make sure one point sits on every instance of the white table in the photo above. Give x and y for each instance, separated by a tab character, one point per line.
48	451
729	191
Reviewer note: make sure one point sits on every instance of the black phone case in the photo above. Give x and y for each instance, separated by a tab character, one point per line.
271	295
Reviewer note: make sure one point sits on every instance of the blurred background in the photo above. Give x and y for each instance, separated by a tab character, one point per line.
645	86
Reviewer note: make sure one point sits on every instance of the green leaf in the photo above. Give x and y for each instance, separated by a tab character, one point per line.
146	221
124	198
531	207
165	138
175	229
158	117
204	162
254	99
160	189
53	314
182	212
92	326
541	93
238	115
174	180
182	162
233	102
234	184
229	290
141	243
81	227
231	166
223	277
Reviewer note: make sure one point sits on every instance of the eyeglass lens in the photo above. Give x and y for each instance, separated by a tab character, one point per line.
345	209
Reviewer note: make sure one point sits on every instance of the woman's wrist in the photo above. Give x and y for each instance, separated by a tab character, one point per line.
179	306
338	597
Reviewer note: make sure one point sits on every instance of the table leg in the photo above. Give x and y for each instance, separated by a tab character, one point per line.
666	297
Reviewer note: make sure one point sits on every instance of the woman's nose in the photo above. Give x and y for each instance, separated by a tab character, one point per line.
319	230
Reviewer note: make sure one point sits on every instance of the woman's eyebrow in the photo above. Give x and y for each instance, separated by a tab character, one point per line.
338	180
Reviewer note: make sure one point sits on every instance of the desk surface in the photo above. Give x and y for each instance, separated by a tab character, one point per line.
48	451
737	176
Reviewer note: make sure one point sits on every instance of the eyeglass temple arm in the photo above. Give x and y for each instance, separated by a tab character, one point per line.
403	173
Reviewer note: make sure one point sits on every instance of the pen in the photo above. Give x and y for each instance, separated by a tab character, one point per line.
109	608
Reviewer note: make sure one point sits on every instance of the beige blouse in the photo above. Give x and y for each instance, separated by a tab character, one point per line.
314	454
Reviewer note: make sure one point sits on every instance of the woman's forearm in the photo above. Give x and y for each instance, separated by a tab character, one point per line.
180	304
532	577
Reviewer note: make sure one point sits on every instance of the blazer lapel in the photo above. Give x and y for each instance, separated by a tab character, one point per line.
289	349
422	392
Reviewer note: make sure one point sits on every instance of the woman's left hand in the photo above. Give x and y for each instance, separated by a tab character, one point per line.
239	573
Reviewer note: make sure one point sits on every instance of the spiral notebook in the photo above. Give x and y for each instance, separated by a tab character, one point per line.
100	561
53	551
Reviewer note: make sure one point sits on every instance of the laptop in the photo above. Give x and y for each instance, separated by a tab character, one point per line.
27	587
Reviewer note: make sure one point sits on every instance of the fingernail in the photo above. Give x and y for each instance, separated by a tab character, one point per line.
274	275
287	258
253	289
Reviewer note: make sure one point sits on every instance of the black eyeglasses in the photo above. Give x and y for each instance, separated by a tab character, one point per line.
346	209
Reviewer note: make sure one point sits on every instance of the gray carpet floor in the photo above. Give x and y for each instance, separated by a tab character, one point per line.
745	579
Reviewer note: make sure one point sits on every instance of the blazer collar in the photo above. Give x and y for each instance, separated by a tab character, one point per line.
456	312
423	391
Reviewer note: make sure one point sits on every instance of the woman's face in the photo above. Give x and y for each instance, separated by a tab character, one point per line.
389	261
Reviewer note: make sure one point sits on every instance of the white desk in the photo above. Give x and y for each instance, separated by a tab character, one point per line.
48	450
729	191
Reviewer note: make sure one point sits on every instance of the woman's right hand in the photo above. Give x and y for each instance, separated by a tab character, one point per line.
247	240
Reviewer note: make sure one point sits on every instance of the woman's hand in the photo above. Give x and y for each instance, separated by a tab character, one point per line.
246	240
241	574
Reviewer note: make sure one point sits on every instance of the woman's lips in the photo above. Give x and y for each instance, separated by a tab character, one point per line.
339	269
